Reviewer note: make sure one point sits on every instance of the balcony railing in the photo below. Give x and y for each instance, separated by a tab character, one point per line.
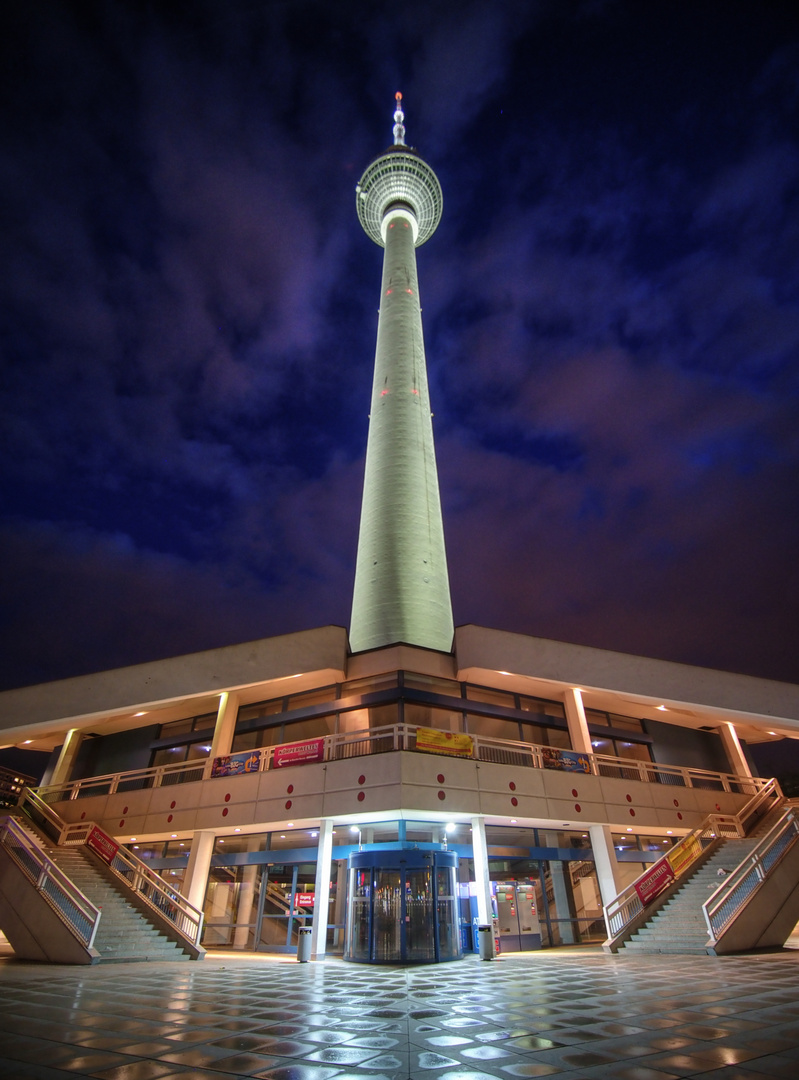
354	744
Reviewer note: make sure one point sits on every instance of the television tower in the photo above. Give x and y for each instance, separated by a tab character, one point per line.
401	583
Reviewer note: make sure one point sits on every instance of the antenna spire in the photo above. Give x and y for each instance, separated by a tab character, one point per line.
399	116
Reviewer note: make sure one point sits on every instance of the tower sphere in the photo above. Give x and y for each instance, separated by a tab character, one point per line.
399	180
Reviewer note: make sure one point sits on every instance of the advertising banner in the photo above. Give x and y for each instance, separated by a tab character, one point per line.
432	741
298	753
103	844
565	760
657	878
684	854
234	764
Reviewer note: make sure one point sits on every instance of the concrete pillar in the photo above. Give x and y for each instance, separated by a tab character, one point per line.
66	759
577	724
196	879
734	751
482	880
225	724
607	867
322	890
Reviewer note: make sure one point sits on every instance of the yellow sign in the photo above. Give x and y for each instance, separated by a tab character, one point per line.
444	742
684	854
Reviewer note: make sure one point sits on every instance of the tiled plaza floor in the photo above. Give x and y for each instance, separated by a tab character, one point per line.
567	1015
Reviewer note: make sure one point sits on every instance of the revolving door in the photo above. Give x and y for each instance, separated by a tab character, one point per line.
402	907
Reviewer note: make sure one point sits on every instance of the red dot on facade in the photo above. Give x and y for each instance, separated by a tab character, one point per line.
122	822
629	798
227	797
224	812
574	792
169	818
632	813
172	805
361	779
578	808
288	804
442	795
361	796
679	816
124	809
289	789
514	801
83	815
440	778
676	802
512	786
718	807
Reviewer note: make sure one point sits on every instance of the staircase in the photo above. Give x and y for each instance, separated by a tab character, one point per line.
124	933
679	925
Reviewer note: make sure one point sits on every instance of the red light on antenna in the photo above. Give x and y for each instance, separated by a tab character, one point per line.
398	96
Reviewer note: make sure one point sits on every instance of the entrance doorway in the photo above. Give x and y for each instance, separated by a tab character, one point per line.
516	911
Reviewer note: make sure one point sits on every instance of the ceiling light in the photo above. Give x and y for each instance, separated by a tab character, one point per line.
662	708
237	830
289	824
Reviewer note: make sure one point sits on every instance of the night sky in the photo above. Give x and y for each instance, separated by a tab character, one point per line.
188	317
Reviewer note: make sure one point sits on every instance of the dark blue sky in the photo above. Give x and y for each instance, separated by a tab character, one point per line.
188	312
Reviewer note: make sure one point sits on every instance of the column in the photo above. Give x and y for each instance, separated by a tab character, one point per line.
481	877
322	890
66	759
734	751
576	721
607	867
225	724
246	902
196	878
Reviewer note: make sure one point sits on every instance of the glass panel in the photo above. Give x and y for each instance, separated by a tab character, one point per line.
311	697
198	750
628	723
446	687
313	728
427	716
491	697
539	705
358	915
419	933
177	727
637	751
170	756
594	716
447	914
261	708
231	845
493	727
248	740
546	736
603	746
358	687
386	920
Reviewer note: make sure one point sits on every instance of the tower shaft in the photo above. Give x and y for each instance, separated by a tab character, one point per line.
401	582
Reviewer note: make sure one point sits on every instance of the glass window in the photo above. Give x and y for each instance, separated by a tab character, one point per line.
627	723
311	697
434	685
636	751
539	705
235	844
196	751
358	687
491	697
170	755
178	727
262	708
493	727
313	728
248	740
427	716
594	716
603	746
546	736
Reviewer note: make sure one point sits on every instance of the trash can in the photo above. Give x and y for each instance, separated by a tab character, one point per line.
485	942
304	945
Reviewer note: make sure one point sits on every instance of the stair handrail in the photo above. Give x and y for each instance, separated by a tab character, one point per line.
724	905
72	907
625	908
129	868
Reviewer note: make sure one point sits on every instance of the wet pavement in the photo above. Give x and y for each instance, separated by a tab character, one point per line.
568	1014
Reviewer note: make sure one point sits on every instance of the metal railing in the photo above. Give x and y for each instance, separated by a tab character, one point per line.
729	899
353	744
129	868
628	906
74	909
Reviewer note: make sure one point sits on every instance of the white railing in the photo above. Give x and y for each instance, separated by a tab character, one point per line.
393	737
74	909
726	903
129	868
627	908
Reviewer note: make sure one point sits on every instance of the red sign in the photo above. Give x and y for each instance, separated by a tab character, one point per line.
304	899
103	844
298	753
657	878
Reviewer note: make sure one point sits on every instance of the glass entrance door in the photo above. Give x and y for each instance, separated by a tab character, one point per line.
516	910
